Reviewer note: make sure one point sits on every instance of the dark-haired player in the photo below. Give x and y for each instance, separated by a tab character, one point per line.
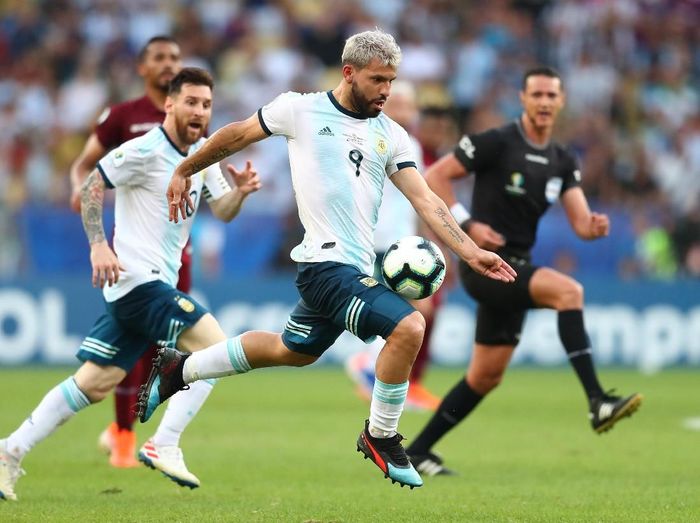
519	173
138	275
158	62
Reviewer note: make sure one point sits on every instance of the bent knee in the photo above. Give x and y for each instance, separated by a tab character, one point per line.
410	329
96	392
570	296
294	359
484	382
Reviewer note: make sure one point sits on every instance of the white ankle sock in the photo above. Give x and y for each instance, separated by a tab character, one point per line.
386	407
222	359
57	407
182	407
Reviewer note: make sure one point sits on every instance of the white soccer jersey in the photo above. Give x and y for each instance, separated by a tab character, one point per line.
397	217
148	246
339	162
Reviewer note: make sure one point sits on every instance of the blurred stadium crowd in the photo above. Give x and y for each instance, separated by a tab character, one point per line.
631	69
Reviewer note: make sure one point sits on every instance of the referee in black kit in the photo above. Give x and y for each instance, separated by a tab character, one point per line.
519	173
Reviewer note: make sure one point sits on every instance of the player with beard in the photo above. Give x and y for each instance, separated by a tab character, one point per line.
141	301
397	219
341	150
519	173
158	62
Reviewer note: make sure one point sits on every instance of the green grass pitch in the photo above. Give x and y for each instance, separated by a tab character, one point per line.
279	445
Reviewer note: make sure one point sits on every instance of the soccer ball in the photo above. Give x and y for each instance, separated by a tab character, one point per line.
413	267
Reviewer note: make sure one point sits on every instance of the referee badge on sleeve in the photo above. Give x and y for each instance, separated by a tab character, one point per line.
553	189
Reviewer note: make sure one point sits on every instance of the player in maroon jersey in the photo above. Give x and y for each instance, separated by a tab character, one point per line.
158	62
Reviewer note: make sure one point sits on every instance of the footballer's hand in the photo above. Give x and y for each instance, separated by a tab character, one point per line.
247	180
105	265
599	226
491	265
484	236
179	199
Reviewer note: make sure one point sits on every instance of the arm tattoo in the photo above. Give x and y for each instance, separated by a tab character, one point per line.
209	159
456	233
91	202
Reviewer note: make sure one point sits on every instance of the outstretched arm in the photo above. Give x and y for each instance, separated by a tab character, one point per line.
439	177
586	224
245	182
434	212
105	266
223	143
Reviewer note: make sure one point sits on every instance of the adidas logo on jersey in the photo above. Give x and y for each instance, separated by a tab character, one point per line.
326	131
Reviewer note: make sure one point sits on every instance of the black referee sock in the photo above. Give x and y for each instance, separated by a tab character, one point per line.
578	347
459	402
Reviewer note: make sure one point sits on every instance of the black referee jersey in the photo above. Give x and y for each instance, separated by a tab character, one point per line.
516	180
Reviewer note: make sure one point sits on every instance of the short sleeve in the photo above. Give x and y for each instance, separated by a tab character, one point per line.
571	172
215	183
277	117
122	166
404	152
477	152
107	128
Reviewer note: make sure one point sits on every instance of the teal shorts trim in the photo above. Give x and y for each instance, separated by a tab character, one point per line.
337	297
153	312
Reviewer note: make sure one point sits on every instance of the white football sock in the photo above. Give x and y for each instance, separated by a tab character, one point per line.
222	359
182	407
57	407
386	407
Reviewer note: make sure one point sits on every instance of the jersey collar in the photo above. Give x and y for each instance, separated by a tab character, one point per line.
171	142
519	125
343	109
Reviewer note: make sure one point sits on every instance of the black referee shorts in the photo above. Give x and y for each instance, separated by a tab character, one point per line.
501	306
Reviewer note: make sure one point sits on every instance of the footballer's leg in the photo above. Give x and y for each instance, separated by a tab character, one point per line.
162	450
209	354
380	440
419	397
90	384
119	439
176	319
552	289
486	368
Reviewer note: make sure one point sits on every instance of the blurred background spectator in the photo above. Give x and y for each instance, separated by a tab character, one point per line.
631	69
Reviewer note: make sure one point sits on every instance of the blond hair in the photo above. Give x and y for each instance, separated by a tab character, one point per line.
361	48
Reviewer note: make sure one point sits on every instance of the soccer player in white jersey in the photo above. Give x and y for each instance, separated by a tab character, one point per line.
396	220
341	150
141	301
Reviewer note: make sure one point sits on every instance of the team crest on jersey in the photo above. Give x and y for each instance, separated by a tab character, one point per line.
185	304
516	184
119	158
381	146
553	189
368	281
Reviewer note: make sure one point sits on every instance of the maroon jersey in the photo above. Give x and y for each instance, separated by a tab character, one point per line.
127	120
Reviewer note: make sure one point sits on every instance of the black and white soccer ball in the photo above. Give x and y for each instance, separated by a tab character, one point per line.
413	267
